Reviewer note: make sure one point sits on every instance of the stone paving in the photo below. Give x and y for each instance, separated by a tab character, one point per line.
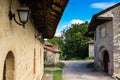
77	70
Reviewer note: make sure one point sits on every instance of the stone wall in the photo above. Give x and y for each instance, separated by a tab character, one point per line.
104	43
27	50
51	58
111	43
116	39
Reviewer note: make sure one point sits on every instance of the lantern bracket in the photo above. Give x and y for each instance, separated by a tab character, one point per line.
12	15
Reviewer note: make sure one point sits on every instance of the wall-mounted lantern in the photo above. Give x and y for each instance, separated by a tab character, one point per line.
23	13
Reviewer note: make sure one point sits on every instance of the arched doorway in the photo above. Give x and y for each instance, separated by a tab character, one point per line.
8	72
105	61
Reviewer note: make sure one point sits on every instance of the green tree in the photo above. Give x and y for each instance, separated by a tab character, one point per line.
57	40
74	43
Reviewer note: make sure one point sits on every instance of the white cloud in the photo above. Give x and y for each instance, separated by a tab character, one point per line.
76	21
102	5
67	26
58	34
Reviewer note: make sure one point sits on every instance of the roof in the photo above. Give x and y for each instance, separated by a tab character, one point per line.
48	44
46	15
52	49
98	21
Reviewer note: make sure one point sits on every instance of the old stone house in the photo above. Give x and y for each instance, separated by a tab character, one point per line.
21	49
51	54
105	28
91	48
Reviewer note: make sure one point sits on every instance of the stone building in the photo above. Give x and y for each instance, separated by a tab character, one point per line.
91	48
105	28
51	54
21	49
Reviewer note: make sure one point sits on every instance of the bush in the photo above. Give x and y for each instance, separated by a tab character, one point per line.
89	58
50	65
60	65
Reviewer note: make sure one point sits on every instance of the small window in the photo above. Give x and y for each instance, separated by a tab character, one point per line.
103	32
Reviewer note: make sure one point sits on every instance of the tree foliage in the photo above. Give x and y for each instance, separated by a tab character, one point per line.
57	40
72	42
75	45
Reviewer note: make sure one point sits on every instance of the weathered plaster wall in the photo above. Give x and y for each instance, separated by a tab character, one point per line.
22	43
91	49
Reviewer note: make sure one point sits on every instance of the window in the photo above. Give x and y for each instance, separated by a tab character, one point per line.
103	32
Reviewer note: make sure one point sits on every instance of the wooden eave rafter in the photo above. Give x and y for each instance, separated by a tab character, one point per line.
46	15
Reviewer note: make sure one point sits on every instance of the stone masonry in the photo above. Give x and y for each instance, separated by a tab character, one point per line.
110	42
107	39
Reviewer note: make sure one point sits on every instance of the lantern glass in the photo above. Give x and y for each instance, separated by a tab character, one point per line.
23	15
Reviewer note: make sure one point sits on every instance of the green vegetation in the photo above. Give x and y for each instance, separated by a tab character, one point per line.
60	65
75	44
56	40
57	75
52	65
72	43
89	58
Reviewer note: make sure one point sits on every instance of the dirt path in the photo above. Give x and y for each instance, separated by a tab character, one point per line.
77	70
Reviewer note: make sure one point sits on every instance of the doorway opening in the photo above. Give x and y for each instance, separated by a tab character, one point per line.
8	72
106	61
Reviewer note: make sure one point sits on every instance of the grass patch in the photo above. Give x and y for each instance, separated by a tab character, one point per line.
90	65
60	65
52	65
57	75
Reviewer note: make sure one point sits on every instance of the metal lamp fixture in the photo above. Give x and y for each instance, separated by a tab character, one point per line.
23	13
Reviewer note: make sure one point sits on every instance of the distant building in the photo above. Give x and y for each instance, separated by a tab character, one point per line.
91	48
21	47
51	54
105	28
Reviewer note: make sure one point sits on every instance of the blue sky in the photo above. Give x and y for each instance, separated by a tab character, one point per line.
78	11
